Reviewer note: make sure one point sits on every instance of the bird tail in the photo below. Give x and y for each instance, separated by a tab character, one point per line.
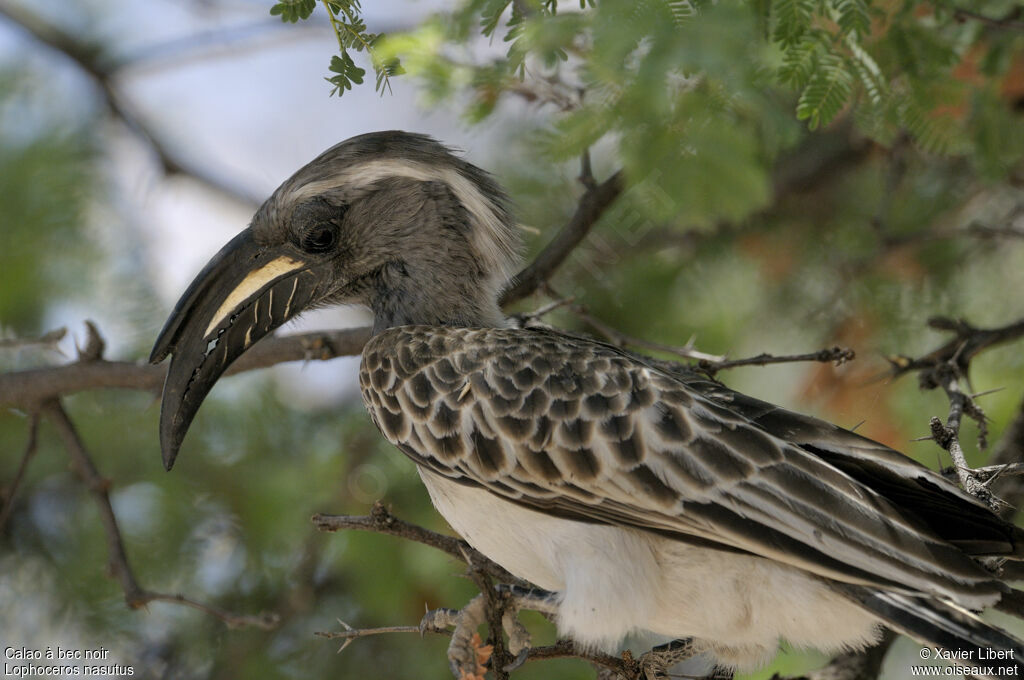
951	633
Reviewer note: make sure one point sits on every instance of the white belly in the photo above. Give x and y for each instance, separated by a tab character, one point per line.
616	581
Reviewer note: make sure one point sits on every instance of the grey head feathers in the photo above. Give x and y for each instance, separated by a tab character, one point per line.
362	164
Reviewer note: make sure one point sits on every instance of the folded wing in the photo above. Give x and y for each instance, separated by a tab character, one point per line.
575	428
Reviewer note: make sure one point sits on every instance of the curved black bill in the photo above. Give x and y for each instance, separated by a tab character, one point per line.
243	293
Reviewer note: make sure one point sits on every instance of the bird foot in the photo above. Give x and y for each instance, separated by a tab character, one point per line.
518	598
467	655
654	664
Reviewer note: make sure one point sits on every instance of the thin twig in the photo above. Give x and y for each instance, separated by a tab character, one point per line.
263	620
948	366
592	206
620	339
561	649
986	231
350	634
837	355
1007	23
525	319
708	363
967	343
30	388
12	489
992	472
135	595
381	521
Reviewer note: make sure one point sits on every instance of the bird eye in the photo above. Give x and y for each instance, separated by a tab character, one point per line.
320	238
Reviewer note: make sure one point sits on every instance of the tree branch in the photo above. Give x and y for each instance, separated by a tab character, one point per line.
135	595
1008	23
837	355
619	339
968	342
591	207
708	363
30	388
12	489
381	521
947	367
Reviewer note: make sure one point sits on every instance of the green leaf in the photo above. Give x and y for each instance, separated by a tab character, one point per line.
347	73
853	16
792	20
799	62
826	93
293	10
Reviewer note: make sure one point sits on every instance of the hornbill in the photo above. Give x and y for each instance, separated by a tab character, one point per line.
644	497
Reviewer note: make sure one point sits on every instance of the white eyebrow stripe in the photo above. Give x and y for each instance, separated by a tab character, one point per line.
498	249
250	285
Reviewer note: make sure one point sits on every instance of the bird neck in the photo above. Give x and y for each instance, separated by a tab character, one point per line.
433	298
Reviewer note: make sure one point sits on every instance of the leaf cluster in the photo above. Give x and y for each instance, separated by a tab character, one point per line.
670	77
352	35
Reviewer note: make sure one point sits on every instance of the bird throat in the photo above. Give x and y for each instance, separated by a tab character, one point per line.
437	300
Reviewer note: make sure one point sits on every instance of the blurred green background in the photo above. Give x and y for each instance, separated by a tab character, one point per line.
742	228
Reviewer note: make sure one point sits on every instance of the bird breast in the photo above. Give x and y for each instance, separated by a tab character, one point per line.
615	582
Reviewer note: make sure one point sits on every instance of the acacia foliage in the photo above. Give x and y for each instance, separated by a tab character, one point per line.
700	96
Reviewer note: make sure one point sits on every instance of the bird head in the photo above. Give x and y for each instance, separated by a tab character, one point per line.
390	220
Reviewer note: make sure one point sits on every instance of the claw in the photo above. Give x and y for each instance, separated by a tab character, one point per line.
466	652
438	620
654	664
467	655
518	638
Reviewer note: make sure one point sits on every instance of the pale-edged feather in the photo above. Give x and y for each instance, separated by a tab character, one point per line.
583	430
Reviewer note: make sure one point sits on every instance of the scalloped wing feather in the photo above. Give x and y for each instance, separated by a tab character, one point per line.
579	429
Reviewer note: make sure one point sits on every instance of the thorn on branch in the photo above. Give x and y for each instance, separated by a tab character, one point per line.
836	355
94	345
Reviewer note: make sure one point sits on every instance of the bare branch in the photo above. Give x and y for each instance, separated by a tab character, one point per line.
28	389
263	620
381	521
592	206
12	489
1010	22
837	355
987	231
351	634
135	595
992	472
947	367
967	344
620	339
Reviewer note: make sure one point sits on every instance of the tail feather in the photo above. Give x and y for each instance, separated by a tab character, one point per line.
970	641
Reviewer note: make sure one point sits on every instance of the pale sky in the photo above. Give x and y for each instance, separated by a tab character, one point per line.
251	106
